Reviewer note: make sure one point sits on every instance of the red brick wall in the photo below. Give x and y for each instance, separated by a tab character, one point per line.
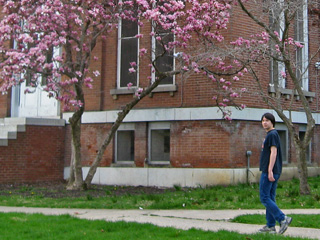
193	144
92	137
36	155
214	144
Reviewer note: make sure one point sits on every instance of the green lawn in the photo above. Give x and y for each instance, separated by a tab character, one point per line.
218	197
20	226
36	226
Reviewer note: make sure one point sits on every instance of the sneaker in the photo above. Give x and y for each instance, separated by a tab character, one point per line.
284	224
267	229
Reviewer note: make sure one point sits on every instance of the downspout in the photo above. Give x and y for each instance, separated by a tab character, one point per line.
248	153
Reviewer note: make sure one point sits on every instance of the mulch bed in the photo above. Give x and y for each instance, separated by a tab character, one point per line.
58	190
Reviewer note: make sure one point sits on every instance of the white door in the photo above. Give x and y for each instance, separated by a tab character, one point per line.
36	103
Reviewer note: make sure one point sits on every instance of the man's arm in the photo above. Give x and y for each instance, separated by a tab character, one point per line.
272	160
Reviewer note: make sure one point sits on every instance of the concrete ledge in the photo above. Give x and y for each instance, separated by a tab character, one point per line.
184	177
35	121
184	114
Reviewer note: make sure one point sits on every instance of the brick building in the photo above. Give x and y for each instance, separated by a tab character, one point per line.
175	136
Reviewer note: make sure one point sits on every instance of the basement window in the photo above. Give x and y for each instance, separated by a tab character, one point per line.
124	144
159	143
308	150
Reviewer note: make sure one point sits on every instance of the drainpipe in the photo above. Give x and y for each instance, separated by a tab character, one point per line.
248	153
317	66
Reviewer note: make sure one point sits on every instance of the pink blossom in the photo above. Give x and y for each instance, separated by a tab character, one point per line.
139	36
96	73
143	51
235	78
132	70
234	95
129	85
89	85
185	68
227	117
88	80
133	64
299	45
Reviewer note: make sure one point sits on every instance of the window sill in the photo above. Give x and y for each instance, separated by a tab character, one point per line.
159	164
162	88
123	164
287	93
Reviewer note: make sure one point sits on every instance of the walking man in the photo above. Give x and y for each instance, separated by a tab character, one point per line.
271	167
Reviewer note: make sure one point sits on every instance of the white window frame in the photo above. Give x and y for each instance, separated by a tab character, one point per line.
305	53
119	56
280	65
156	126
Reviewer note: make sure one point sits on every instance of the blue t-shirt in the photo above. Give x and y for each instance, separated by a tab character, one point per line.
272	139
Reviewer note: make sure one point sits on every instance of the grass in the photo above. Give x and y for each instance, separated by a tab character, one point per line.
217	197
37	226
299	220
20	226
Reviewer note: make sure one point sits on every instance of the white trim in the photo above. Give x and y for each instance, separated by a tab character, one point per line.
185	114
305	49
184	177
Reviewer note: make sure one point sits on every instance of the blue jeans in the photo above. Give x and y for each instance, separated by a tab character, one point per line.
268	199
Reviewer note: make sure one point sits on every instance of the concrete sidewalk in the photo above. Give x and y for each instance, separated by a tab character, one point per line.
212	220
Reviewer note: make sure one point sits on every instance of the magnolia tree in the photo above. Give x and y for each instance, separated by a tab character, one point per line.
284	46
31	31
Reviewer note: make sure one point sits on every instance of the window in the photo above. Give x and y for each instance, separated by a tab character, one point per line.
276	20
124	144
283	133
159	143
164	59
127	53
308	150
161	54
49	56
301	36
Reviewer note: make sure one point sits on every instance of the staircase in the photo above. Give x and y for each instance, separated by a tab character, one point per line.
9	127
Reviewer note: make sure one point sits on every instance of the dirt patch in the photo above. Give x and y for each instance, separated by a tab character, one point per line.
58	190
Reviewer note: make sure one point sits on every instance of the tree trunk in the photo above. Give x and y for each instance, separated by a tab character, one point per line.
115	126
76	178
300	150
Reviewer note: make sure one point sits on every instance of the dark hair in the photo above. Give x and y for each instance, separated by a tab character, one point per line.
270	117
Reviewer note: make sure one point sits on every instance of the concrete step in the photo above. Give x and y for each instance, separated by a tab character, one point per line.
9	127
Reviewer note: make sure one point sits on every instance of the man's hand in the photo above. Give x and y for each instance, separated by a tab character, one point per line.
270	176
